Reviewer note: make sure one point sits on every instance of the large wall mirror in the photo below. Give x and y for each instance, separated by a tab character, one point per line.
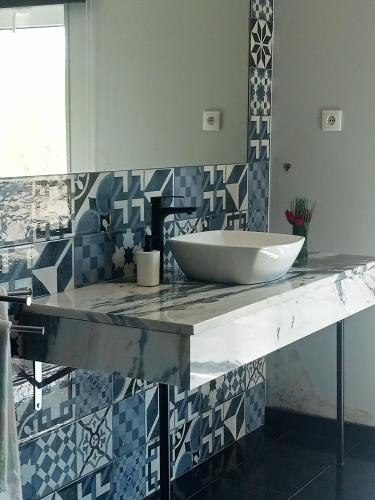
121	84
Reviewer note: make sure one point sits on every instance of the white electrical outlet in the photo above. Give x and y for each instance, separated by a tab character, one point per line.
332	120
211	120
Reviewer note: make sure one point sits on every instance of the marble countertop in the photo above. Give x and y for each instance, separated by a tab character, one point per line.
186	307
187	333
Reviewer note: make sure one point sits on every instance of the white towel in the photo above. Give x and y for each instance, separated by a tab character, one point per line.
10	476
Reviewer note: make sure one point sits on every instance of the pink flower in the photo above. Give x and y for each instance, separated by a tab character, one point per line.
298	221
289	216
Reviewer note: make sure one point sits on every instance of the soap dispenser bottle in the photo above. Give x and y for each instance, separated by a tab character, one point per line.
148	265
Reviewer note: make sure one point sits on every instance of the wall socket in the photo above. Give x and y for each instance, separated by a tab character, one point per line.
332	120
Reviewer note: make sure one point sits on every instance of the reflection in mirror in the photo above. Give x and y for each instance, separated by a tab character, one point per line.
35	89
105	85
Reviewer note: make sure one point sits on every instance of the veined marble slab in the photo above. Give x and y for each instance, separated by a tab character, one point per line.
186	333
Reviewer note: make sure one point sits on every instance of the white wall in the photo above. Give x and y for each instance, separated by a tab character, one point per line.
323	58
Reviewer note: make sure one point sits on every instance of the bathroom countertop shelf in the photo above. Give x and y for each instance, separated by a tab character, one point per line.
186	333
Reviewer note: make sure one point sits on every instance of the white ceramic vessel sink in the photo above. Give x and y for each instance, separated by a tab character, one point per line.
238	257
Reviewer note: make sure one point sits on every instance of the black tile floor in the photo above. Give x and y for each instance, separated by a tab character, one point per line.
281	463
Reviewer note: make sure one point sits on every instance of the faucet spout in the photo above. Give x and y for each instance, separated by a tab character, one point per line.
158	216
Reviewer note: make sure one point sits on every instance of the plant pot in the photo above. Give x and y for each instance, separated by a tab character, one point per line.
303	256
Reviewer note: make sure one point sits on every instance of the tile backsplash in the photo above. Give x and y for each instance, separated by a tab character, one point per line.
69	231
97	436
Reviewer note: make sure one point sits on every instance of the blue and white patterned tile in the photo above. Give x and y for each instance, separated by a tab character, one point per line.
258	186
189	226
234	419
128	476
52	267
261	37
58	407
262	9
152	413
212	431
93	258
185	405
186	447
124	387
260	92
38	208
94	486
93	392
223	388
94	441
188	183
258	220
49	462
255	405
129	429
259	138
236	187
92	202
237	221
158	182
255	373
214	194
16	264
128	199
126	244
152	466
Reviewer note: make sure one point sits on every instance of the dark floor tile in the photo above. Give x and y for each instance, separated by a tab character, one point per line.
228	490
310	447
275	472
338	485
361	460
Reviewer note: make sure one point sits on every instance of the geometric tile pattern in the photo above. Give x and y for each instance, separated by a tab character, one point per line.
234	419
186	447
94	486
188	183
223	388
59	401
128	199
260	92
255	373
128	425
128	476
49	462
152	471
236	221
152	413
212	431
125	246
53	269
94	441
92	202
186	405
261	43
259	138
236	188
258	221
92	258
214	194
255	402
258	186
262	9
93	390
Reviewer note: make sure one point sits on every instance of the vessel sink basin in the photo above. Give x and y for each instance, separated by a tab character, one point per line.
237	257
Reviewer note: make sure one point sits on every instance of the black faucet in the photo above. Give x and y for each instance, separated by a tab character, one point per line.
158	215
